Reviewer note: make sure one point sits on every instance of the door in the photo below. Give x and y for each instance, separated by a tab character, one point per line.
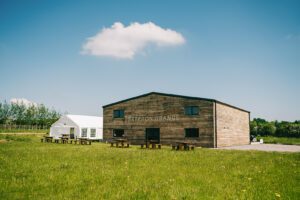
153	134
72	130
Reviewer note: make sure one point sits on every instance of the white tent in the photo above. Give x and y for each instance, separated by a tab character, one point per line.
78	126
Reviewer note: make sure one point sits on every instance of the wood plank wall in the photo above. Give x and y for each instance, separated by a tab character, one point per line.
232	126
164	112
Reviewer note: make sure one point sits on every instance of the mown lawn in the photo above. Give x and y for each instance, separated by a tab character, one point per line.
280	140
23	131
33	170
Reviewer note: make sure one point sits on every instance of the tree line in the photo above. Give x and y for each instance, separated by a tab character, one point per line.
261	127
39	114
21	114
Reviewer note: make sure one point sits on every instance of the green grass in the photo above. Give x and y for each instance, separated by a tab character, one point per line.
23	131
280	140
30	169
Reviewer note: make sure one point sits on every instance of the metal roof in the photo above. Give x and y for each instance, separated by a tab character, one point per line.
174	95
86	121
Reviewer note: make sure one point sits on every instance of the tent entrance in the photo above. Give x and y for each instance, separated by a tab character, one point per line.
72	131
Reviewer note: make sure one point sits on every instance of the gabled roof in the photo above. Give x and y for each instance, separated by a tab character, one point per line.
86	121
173	95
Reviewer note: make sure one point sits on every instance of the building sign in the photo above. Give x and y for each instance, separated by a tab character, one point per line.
152	118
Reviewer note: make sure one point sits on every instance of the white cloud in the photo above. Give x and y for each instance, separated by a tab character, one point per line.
23	101
120	41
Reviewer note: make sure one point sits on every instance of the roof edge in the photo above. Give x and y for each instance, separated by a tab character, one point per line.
81	115
173	95
226	104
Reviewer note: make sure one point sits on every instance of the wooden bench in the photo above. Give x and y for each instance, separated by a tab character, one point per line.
183	146
82	141
48	139
151	146
174	146
64	140
123	144
112	143
146	145
120	143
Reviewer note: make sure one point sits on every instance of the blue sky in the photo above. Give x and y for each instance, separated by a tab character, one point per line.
245	53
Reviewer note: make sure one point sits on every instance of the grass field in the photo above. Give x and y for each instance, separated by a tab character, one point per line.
23	131
33	170
280	140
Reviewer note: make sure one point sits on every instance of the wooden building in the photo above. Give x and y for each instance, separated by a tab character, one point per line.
169	118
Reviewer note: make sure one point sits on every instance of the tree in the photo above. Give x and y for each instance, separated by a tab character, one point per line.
5	114
253	128
269	129
20	114
260	126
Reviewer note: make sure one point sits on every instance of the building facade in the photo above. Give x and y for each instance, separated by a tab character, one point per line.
78	126
169	118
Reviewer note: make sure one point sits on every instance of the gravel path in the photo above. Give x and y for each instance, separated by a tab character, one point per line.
267	147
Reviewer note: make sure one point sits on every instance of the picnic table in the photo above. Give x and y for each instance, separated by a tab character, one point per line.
183	145
152	144
65	138
83	141
120	142
48	138
65	135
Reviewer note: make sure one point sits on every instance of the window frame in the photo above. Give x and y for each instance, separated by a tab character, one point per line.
191	110
94	133
120	113
81	134
191	136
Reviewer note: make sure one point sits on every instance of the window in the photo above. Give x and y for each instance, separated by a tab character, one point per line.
93	132
118	132
118	113
191	110
192	132
84	132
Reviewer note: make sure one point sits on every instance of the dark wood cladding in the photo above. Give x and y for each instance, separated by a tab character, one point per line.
219	124
164	112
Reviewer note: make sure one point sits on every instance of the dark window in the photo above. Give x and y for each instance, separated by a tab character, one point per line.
93	132
191	110
118	132
84	132
192	132
118	113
